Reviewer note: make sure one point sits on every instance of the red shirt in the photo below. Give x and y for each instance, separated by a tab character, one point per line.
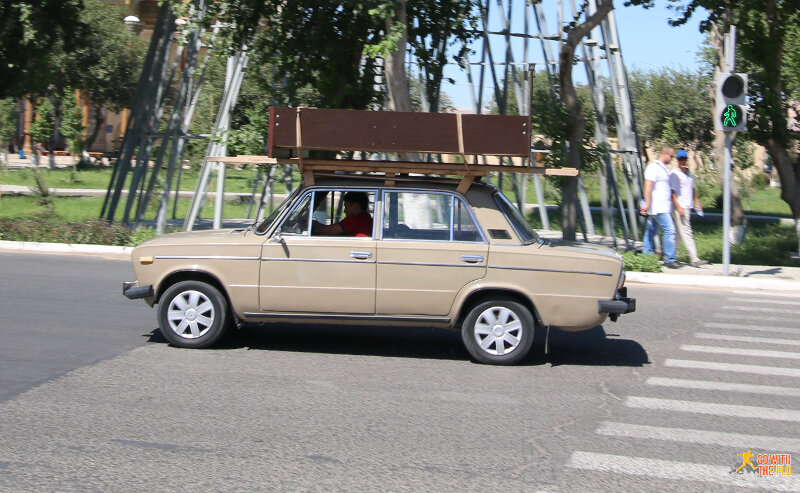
357	225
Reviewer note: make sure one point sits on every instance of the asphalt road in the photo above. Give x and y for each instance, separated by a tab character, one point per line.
662	400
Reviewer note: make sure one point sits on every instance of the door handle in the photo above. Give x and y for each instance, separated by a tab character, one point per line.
472	259
361	255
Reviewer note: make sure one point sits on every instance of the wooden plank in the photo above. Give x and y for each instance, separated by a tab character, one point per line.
243	159
496	135
423	168
392	131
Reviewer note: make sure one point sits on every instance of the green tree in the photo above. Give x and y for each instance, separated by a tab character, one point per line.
71	124
29	29
105	66
580	27
766	32
8	125
434	26
676	96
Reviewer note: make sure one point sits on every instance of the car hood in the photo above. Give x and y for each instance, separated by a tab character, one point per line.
573	246
197	237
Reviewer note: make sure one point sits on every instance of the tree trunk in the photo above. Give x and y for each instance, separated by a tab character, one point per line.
569	98
396	77
789	174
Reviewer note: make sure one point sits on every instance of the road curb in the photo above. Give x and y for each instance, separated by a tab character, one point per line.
34	246
714	281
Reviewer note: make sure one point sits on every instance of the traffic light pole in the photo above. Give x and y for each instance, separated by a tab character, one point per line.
726	206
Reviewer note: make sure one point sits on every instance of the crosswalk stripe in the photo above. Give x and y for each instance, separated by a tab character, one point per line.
760	295
683	435
757	316
681	471
783	330
723	386
759	309
730	410
767	300
734	367
760	340
758	353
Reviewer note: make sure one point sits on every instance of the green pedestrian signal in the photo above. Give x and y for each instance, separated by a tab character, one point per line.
730	114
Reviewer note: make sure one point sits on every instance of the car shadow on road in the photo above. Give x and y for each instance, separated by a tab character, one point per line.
590	347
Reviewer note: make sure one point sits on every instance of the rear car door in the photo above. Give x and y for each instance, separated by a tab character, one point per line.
430	247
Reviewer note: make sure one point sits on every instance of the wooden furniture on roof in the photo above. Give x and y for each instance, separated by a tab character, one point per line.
294	131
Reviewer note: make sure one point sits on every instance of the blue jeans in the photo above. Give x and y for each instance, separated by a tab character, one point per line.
664	223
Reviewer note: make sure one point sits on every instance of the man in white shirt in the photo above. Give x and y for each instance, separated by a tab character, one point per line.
682	182
657	206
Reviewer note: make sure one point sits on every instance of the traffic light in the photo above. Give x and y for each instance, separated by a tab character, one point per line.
731	109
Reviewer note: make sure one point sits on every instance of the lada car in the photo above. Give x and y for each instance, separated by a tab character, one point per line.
434	257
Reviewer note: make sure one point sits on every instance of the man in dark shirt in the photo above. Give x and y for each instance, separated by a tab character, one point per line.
357	221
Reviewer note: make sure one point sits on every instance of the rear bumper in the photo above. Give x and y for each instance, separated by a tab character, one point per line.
132	290
621	304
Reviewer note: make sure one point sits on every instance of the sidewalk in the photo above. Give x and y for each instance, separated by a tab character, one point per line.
710	275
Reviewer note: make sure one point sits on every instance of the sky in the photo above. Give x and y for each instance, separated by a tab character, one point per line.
647	42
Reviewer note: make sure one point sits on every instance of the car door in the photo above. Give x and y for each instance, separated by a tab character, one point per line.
430	248
305	273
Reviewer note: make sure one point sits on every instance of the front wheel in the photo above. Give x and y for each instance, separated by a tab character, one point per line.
498	332
192	314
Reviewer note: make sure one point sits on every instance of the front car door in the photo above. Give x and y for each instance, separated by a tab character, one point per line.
305	273
430	248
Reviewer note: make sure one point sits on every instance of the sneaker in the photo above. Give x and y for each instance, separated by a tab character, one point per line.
698	263
672	265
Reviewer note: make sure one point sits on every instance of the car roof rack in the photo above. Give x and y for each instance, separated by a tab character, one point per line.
297	134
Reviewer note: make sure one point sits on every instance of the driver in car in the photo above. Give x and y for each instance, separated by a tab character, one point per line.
357	221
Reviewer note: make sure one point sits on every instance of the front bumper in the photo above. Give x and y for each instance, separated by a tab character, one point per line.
619	305
132	290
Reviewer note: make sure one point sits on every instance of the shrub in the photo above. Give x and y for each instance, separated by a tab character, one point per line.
641	262
760	181
141	235
42	228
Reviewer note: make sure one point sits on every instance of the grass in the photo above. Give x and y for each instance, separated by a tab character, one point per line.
236	181
73	209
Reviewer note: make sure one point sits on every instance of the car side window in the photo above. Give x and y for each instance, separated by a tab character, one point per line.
427	216
464	228
296	223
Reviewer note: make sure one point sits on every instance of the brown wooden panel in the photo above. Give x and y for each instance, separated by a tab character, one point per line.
496	135
389	131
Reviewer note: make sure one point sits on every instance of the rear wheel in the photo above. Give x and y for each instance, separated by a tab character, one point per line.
192	314
498	332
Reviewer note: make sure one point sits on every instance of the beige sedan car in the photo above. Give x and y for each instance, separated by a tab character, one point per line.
356	250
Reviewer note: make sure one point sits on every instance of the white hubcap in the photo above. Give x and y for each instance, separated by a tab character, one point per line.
498	330
190	314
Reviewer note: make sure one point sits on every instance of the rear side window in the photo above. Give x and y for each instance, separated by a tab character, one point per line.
427	216
524	230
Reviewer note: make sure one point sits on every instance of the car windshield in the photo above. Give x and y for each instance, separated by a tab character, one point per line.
265	223
524	230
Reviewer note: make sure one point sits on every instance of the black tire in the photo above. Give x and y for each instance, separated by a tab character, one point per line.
498	332
193	314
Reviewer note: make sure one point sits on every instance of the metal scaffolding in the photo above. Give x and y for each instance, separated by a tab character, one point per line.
496	30
508	25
